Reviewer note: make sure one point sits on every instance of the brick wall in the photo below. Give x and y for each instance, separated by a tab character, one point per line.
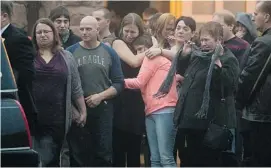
78	9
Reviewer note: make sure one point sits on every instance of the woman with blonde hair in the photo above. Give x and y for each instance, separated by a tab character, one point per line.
165	31
164	34
152	28
56	87
184	30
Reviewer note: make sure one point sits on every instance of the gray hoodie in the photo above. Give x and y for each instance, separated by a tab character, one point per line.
246	20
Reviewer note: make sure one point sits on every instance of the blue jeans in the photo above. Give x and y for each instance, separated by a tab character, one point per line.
161	135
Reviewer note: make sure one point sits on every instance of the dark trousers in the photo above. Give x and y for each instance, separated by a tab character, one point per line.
260	142
246	145
198	155
146	151
232	157
247	148
91	146
179	145
126	148
245	133
65	155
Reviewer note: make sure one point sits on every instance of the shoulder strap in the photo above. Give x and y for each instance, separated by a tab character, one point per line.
260	75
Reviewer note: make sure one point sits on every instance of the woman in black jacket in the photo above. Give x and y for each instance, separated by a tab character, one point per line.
199	103
193	98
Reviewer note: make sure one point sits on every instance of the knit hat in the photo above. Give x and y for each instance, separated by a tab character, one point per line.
58	12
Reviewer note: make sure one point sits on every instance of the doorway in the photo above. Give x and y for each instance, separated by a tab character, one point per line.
122	8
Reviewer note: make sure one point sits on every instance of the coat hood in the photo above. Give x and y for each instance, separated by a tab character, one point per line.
246	20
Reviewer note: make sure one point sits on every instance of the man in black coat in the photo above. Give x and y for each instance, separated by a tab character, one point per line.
254	93
21	55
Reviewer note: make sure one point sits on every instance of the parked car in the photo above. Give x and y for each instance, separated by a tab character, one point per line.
16	143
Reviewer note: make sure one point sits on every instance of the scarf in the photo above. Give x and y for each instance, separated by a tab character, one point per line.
202	113
64	36
196	52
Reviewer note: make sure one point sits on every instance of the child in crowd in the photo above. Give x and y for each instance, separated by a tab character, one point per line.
159	111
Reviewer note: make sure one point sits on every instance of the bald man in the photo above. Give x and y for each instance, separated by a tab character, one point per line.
102	79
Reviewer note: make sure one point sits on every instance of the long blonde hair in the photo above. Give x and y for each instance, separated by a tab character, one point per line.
162	21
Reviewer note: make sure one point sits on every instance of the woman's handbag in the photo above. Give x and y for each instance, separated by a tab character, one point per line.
218	136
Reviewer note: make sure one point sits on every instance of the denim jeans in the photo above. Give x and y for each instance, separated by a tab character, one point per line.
161	135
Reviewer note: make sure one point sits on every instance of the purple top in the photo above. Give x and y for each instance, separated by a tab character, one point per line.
49	88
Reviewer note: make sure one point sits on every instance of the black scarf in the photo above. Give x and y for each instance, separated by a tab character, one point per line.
196	52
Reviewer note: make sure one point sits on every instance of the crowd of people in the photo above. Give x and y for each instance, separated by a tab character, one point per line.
202	94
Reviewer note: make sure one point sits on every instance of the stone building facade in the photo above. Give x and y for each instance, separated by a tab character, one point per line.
201	11
78	9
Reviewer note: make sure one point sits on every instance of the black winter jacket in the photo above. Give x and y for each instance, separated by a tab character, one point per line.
258	102
191	94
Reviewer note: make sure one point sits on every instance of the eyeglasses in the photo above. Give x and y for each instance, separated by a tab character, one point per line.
43	31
